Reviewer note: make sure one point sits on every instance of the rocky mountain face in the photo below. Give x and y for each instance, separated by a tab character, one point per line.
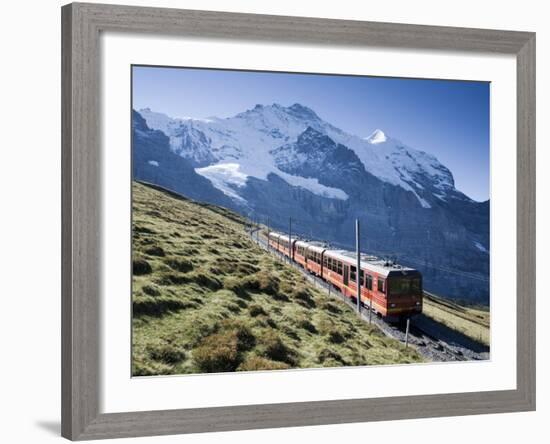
281	162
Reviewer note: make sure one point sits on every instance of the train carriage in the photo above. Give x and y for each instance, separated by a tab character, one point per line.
314	255
394	290
300	252
280	242
273	240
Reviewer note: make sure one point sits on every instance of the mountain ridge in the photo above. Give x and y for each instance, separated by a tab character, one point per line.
250	135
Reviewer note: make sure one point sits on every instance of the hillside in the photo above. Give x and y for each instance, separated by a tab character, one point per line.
207	299
472	321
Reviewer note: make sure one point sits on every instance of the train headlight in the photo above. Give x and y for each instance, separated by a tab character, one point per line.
392	305
418	303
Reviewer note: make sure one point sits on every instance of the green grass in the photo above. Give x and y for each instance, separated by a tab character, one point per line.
473	322
208	299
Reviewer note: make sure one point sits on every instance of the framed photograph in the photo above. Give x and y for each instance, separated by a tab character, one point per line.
278	221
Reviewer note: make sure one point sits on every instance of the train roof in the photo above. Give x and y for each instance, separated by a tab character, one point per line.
318	247
370	262
276	235
373	263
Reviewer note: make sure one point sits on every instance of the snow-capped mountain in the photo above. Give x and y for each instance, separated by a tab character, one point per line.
282	162
246	142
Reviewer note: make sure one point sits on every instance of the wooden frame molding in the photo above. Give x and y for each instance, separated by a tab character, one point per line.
81	234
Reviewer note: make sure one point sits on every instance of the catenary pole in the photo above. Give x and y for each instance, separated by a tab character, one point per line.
370	300
290	239
358	269
268	231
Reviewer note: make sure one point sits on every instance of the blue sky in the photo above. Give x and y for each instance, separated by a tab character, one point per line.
449	119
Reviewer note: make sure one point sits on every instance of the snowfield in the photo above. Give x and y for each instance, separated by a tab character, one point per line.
228	177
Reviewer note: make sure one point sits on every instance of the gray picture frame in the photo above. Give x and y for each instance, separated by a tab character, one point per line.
81	231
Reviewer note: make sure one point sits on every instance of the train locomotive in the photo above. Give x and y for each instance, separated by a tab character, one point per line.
392	290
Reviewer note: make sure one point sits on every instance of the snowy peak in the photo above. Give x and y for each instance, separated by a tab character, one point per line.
279	117
302	112
376	137
311	139
311	148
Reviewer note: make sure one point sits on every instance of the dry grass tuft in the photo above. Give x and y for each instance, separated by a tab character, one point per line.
254	363
140	267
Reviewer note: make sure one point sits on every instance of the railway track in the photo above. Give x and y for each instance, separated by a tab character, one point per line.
434	341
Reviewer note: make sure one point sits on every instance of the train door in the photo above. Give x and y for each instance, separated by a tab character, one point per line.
346	274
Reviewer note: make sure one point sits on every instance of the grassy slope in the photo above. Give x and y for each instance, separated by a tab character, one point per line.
207	299
473	322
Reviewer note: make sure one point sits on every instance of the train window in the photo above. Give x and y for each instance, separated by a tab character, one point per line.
339	267
416	287
406	286
361	278
369	281
403	286
352	273
381	285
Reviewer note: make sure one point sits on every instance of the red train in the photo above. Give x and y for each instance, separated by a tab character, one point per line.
395	291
